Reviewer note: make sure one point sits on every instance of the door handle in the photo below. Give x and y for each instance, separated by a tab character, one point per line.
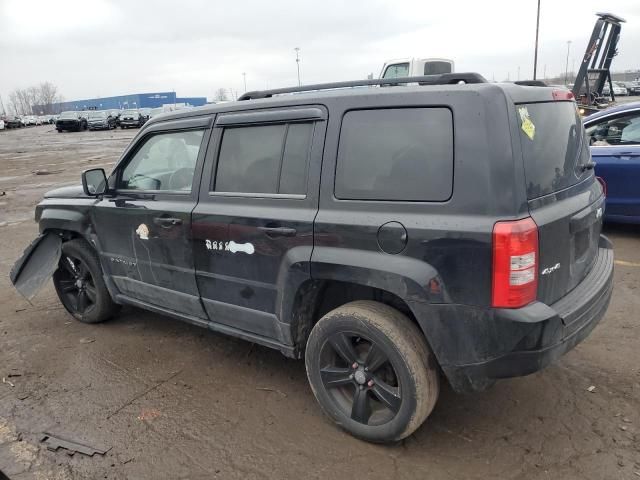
167	222
278	231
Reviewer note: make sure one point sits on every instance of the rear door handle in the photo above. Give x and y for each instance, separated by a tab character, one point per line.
278	231
167	222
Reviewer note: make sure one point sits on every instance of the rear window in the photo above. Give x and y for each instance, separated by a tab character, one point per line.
396	154
437	67
553	146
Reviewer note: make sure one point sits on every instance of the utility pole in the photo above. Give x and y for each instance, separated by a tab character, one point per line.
244	77
566	65
544	72
535	56
297	49
518	73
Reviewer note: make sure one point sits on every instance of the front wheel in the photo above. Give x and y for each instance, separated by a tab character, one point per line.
372	371
79	283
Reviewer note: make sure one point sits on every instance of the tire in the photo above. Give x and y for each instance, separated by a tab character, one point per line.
403	371
59	130
80	285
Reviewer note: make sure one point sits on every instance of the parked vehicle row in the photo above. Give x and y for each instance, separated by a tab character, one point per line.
622	88
17	121
94	119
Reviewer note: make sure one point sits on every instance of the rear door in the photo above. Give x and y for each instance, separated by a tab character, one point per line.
565	200
253	226
615	147
144	229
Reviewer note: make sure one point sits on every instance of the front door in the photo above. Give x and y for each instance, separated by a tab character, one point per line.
144	229
253	225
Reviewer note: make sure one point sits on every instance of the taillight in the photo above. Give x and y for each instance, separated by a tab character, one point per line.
562	95
515	263
603	184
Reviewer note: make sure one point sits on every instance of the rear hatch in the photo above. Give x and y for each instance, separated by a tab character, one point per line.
564	198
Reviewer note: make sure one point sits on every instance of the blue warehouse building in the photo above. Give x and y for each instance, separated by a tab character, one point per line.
135	100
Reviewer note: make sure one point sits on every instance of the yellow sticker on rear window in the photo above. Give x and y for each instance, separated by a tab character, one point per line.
526	124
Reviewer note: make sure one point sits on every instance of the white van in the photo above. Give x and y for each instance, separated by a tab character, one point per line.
416	67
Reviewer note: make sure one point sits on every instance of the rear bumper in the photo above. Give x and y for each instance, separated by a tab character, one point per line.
491	344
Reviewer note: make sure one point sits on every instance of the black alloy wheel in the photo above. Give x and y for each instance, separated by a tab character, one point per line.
371	370
75	285
359	377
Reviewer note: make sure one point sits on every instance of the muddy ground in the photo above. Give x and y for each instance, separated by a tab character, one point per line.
170	400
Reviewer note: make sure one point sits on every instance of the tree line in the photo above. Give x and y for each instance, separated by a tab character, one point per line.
45	96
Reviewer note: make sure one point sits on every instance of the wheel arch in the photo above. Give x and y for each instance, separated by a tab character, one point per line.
337	276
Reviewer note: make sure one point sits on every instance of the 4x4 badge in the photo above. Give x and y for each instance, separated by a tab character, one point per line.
549	270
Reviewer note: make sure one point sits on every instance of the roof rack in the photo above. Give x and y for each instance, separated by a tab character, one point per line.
442	79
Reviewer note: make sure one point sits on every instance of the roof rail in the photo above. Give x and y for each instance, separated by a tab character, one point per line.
442	79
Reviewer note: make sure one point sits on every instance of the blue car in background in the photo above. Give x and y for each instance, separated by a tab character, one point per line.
614	136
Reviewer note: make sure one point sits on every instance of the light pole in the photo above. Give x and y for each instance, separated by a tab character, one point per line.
244	77
535	56
566	65
297	49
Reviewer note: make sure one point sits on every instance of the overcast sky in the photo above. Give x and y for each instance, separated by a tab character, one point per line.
94	48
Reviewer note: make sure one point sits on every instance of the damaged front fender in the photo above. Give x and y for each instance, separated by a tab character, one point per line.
37	264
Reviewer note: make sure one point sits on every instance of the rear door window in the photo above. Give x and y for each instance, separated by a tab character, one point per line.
270	159
396	154
554	146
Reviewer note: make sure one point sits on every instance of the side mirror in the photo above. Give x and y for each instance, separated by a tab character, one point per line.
94	182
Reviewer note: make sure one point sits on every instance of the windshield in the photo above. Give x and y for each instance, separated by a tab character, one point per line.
69	115
97	115
130	112
553	146
397	70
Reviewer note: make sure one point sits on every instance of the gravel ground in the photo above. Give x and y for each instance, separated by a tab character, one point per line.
170	400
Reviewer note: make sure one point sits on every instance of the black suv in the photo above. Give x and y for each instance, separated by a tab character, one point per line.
71	121
386	235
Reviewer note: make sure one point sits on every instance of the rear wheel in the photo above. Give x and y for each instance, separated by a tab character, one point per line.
79	283
371	371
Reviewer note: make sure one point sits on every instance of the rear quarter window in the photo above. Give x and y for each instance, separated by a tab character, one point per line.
403	154
553	153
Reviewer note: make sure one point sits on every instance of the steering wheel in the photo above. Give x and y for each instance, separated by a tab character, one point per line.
181	179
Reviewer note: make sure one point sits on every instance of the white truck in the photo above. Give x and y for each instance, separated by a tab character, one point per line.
416	67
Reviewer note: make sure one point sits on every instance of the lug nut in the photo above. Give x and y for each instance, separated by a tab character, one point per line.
355	365
370	383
